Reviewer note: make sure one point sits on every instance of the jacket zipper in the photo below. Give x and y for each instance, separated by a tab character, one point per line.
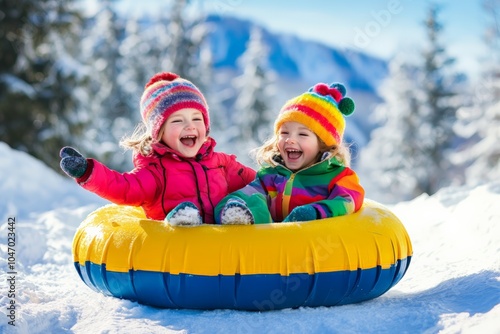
287	195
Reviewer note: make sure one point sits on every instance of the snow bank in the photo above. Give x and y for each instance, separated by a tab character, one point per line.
29	187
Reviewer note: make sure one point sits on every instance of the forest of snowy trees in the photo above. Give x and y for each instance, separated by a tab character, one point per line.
67	78
437	128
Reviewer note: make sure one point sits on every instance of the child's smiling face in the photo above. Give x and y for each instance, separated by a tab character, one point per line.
185	132
298	145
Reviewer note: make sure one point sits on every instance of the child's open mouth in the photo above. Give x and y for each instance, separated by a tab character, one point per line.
188	140
293	154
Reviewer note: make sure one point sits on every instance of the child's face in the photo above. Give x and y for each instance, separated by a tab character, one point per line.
185	132
299	147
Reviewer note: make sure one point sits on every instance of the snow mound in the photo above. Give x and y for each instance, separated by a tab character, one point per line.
28	186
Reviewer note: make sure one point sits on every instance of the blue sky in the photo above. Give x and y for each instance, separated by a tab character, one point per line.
380	28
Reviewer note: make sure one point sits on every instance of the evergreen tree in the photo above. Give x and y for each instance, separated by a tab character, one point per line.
439	84
185	50
107	104
207	83
410	153
390	160
479	122
187	33
38	77
136	52
254	93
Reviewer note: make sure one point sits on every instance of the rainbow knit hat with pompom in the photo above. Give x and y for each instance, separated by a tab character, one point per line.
322	109
166	93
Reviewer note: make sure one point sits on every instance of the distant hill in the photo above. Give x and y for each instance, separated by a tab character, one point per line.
300	63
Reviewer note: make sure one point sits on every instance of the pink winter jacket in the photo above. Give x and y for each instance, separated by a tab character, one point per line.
161	181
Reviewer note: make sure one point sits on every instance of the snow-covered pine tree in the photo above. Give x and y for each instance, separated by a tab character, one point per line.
39	76
479	123
388	161
136	51
110	114
182	47
410	153
141	51
253	109
208	84
439	84
187	33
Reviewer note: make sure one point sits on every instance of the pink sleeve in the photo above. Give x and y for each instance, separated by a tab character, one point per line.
133	188
238	175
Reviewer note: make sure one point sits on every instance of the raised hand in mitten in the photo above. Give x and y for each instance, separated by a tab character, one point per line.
301	213
72	162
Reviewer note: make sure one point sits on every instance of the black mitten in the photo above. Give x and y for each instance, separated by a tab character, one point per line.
72	163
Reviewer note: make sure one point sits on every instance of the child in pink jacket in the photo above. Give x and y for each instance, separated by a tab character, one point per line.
177	176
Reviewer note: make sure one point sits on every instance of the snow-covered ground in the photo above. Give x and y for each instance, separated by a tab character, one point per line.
452	285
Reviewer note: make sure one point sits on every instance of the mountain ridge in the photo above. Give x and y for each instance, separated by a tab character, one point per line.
300	63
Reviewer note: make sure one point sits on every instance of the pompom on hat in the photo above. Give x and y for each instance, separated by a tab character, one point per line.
322	109
166	93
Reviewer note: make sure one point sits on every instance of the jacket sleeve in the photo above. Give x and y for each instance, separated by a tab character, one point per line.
255	197
237	174
134	188
346	196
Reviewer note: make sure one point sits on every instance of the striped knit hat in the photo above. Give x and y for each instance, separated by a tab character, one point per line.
322	109
166	93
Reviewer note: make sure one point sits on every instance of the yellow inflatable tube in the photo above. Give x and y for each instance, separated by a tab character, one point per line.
333	261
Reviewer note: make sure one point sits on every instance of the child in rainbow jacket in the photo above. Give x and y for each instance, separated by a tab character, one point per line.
304	172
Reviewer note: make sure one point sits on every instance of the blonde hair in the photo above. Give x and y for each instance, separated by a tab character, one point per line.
140	141
264	155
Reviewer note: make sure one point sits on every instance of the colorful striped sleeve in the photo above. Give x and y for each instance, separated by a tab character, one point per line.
346	196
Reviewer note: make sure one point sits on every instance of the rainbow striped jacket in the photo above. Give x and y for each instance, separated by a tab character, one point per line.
330	187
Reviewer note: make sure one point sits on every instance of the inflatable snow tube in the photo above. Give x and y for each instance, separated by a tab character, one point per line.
333	261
